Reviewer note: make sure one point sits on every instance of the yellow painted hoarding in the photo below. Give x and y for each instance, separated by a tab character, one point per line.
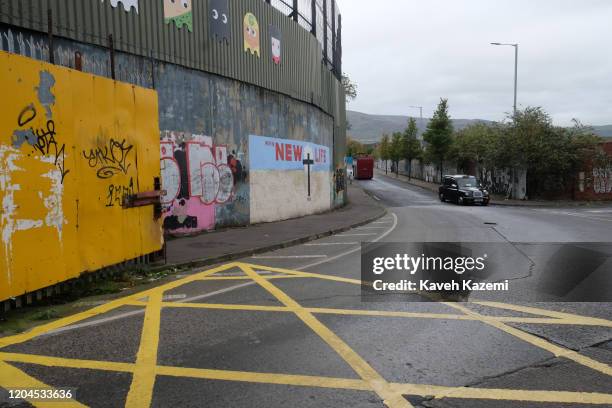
72	145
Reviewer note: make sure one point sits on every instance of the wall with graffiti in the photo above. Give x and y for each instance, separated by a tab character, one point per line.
207	162
73	147
201	116
594	182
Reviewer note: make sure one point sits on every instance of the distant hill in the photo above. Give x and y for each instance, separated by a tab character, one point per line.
367	128
604	131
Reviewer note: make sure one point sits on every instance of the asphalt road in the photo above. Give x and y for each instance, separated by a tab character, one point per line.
289	328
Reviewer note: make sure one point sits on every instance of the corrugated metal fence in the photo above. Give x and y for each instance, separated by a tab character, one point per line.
301	75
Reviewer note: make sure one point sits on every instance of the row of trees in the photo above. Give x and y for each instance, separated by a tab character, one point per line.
528	140
401	146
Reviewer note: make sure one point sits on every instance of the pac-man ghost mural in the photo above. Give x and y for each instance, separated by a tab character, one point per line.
275	40
127	4
178	11
251	33
219	20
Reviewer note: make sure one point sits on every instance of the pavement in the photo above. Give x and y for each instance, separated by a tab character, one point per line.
496	199
223	245
290	328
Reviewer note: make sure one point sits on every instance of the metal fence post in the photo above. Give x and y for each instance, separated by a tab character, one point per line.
50	32
338	56
111	47
313	18
325	31
333	24
295	11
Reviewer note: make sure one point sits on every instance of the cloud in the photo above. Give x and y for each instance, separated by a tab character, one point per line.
405	52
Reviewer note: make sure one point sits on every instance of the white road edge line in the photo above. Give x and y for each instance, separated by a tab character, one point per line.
287	256
333	258
376	198
356	235
332	243
141	311
210	294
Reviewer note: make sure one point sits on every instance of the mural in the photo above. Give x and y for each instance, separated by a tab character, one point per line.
289	178
196	177
67	165
251	34
602	180
218	12
180	12
275	41
127	4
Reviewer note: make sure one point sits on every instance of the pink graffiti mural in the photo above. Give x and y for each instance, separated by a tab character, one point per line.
196	176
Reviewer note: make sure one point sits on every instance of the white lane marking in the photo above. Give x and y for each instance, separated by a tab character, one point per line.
230	274
355	235
376	198
218	292
333	243
333	258
382	222
287	256
367	228
572	214
140	311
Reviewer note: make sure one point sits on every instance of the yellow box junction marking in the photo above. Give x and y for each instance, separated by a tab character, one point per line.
145	369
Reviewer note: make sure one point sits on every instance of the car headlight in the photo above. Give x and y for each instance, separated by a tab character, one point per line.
485	192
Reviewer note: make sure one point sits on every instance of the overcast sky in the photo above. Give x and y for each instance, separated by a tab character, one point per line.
412	52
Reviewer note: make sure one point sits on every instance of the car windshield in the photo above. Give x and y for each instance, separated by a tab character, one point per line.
467	182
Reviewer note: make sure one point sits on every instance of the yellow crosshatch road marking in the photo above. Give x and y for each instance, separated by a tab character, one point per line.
145	369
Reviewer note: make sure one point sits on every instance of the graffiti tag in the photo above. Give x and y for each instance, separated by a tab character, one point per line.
109	160
118	193
602	180
42	140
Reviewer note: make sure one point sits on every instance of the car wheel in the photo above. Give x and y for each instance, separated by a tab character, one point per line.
441	195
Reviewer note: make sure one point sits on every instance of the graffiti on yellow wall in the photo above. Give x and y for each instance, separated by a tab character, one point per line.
72	147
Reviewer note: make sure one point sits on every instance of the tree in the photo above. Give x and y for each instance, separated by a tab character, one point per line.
411	146
384	149
439	135
550	155
353	147
350	87
395	150
476	144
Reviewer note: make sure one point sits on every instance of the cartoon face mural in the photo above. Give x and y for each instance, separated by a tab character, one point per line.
178	11
127	4
219	20
251	34
275	40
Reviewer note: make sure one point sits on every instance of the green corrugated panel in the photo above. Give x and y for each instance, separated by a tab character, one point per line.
300	75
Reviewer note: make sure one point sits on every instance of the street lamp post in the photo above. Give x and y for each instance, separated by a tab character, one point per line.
515	45
515	69
420	108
